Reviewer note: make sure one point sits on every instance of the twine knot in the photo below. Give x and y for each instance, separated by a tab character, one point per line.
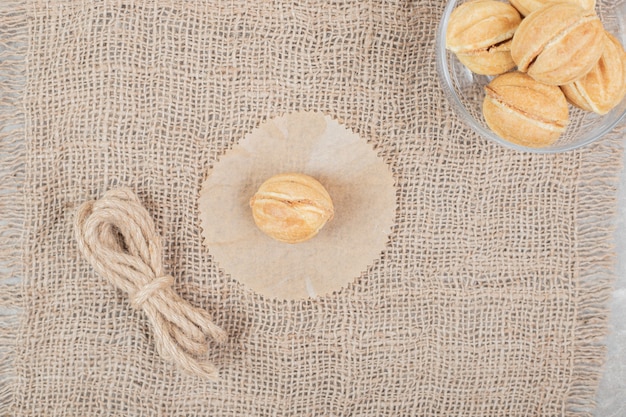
118	238
147	291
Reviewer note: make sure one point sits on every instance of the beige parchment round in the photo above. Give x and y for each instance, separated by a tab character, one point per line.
358	181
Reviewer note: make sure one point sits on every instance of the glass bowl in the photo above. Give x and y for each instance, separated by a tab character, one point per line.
465	90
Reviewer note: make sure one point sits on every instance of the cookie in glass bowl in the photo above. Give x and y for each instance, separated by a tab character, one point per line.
480	34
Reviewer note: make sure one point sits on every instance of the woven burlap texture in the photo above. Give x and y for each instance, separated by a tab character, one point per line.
489	299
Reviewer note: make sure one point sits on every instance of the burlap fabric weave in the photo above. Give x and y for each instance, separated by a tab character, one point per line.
489	299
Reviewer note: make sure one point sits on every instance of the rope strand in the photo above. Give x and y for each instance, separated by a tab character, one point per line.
117	236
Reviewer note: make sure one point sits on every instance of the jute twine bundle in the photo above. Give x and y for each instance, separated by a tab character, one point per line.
117	236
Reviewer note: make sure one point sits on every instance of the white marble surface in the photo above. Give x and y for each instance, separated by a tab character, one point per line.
611	398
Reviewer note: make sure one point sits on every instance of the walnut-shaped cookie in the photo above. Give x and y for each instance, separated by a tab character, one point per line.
525	7
558	44
604	86
291	207
524	111
480	32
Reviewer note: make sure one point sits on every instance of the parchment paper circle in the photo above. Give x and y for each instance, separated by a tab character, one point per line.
358	181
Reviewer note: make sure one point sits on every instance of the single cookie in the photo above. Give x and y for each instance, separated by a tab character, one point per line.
558	44
479	34
525	7
524	111
291	207
604	86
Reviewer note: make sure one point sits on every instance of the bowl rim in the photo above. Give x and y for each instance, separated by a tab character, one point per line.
445	81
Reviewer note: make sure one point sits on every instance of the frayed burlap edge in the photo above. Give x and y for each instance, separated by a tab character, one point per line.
595	265
13	50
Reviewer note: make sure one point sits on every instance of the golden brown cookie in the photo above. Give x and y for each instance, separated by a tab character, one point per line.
558	44
492	61
291	207
479	33
525	7
524	111
604	86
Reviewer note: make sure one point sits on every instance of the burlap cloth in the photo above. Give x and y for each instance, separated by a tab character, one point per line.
489	299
